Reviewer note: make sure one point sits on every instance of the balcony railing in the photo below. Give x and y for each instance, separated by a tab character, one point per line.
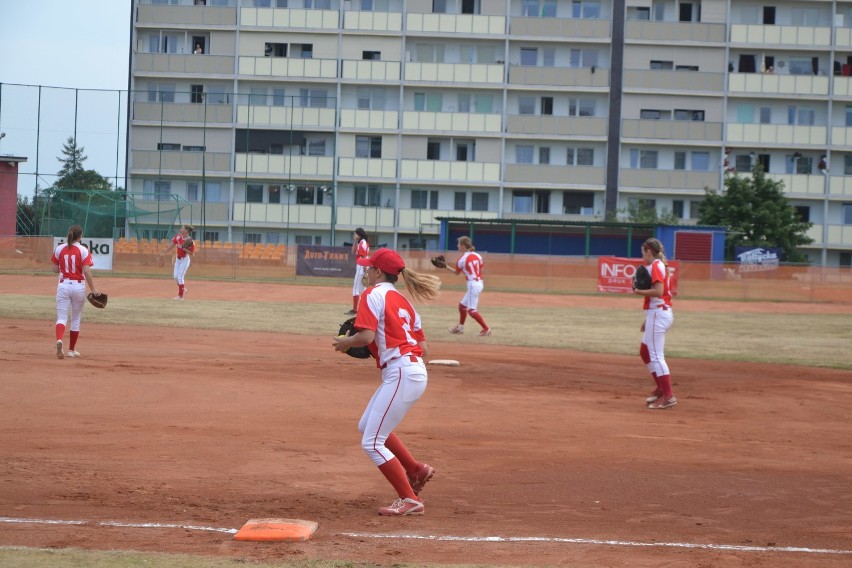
288	67
805	36
184	64
559	76
557	125
450	171
369	70
182	112
200	16
456	23
289	18
281	165
367	167
657	79
452	121
179	161
372	21
285	116
587	176
464	73
675	31
672	129
841	185
665	180
561	27
777	134
800	184
774	84
369	119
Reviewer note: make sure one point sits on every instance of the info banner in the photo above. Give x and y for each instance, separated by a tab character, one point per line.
336	262
615	274
101	250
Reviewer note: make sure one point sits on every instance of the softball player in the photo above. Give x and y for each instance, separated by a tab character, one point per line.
182	261
361	249
73	262
389	325
658	319
470	264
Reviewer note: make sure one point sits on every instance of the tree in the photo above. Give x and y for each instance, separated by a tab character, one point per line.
644	211
26	220
756	213
73	158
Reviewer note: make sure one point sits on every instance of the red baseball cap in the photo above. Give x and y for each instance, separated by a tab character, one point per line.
385	260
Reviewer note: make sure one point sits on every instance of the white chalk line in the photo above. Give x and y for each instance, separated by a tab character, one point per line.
450	538
603	542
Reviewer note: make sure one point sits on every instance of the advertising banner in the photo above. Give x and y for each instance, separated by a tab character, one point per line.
101	250
615	274
313	260
757	259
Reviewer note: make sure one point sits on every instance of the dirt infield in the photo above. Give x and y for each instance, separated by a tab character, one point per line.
149	428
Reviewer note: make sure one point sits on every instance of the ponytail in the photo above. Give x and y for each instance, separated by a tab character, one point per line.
75	233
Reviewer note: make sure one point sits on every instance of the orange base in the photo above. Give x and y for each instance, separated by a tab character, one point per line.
269	530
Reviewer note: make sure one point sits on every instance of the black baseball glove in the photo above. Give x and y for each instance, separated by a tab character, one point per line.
348	328
642	278
439	261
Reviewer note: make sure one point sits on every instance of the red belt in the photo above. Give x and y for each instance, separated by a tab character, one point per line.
411	358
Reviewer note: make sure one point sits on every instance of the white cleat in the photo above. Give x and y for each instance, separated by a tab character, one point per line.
59	354
73	354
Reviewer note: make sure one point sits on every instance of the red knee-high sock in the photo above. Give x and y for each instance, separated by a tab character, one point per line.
666	384
657	380
73	342
395	445
395	474
355	303
181	288
60	331
475	315
462	314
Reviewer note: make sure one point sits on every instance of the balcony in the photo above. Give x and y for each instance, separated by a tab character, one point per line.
662	181
369	119
585	176
177	162
435	170
842	86
184	64
367	167
279	214
195	16
575	126
672	130
378	217
289	18
182	112
841	186
773	84
285	67
284	116
466	122
658	79
542	28
677	32
369	70
838	236
372	21
800	184
803	36
281	165
469	24
772	134
841	136
842	38
559	76
464	73
415	220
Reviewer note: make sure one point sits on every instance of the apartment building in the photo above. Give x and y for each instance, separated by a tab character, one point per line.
296	121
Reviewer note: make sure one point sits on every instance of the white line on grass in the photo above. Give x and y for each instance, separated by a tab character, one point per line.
451	538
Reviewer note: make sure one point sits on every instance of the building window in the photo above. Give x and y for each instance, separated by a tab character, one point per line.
686	67
578	202
274	194
680	160
162	93
644	159
586	9
522	201
254	193
211	236
529	56
194	148
547	105
580	157
700	161
801	116
847	164
845	259
538	8
847	213
484	103
804	213
584	58
694	115
544	155
431	102
424	199
368	195
526	105
368	146
798	164
168	146
581	107
196	93
524	154
316	148
694	209
460	201
313	98
275	49
650	114
677	208
157	190
464	151
665	65
433	150
765	115
439	6
254	238
479	201
192	191
371	55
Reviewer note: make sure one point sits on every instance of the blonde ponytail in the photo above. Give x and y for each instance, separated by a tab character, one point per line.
421	286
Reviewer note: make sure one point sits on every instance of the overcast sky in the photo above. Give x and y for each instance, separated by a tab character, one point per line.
73	44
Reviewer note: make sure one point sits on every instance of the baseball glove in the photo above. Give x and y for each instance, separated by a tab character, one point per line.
187	243
439	261
348	328
642	278
99	301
